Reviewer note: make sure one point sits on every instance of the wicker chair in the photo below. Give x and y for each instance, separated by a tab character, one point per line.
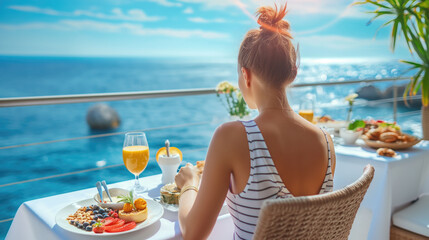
325	216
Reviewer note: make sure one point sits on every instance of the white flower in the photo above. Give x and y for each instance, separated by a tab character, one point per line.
225	87
351	97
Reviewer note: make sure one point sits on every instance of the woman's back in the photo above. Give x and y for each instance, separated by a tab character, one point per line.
298	148
280	165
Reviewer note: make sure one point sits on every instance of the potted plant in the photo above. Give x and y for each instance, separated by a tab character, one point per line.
410	18
232	100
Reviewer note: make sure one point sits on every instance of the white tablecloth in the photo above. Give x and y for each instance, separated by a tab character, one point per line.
36	219
397	181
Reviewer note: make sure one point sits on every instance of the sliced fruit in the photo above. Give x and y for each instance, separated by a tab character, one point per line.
173	150
139	203
98	227
110	221
125	227
119	223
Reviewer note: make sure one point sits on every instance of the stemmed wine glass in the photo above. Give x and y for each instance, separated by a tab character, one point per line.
136	156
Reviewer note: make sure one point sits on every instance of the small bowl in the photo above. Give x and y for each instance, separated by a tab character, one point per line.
114	192
349	136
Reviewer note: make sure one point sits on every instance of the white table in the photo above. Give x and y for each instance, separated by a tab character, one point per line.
37	218
397	181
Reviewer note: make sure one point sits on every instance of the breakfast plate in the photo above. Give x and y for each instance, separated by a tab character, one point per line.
395	145
155	212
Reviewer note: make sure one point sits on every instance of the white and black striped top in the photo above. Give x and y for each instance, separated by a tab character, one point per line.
264	183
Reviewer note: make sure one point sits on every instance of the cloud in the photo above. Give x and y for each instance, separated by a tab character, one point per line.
188	10
116	14
339	42
135	29
203	20
34	9
166	3
296	7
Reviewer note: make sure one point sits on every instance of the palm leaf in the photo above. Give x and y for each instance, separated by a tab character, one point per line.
372	2
417	65
393	35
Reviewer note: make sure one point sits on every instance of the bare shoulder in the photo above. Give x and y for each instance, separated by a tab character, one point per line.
228	138
230	129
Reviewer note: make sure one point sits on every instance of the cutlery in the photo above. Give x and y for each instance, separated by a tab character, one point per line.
167	147
106	189
100	191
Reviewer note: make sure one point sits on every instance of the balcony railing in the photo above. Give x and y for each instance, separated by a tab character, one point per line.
81	98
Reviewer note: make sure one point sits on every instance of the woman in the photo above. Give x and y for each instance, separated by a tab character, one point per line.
277	155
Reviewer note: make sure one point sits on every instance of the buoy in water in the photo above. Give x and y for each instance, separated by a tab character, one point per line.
102	116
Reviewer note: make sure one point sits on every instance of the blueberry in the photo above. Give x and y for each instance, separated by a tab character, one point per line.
95	212
72	222
88	228
100	216
85	224
80	226
76	223
92	222
96	207
95	218
101	211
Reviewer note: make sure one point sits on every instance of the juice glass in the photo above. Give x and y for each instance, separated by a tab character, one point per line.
136	156
306	109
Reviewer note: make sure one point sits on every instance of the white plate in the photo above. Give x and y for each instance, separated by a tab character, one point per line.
168	207
155	212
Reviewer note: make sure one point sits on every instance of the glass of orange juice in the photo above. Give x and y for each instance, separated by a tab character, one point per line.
136	156
306	109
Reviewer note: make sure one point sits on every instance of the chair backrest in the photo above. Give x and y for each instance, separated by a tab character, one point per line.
324	216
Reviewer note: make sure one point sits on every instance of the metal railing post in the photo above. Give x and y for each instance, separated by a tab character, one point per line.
395	101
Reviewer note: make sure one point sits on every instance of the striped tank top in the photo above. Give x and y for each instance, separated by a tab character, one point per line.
264	183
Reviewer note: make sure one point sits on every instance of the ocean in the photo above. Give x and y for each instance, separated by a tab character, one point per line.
188	122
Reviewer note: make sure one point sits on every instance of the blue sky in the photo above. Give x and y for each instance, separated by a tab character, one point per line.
164	28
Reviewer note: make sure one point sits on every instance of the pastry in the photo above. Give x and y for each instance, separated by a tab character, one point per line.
200	166
133	210
386	152
389	137
134	216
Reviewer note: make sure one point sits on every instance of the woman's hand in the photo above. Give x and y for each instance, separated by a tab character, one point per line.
187	176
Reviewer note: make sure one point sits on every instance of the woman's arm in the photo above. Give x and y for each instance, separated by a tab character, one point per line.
198	212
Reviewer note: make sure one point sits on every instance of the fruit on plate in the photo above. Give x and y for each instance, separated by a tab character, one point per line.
137	214
98	227
117	224
126	227
86	216
140	204
173	150
170	194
